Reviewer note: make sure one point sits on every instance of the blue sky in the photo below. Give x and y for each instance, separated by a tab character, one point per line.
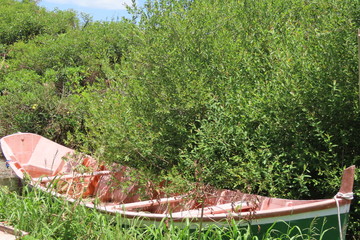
100	10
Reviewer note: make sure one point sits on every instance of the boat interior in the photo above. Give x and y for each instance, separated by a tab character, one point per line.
117	190
77	175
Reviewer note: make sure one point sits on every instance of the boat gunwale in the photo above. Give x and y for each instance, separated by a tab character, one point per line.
322	204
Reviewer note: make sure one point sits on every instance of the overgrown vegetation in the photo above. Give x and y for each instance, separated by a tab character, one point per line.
254	95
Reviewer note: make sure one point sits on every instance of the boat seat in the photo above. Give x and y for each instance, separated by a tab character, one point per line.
149	203
32	170
36	171
71	176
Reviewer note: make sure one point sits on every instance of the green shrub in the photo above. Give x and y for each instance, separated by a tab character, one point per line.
256	95
30	104
23	20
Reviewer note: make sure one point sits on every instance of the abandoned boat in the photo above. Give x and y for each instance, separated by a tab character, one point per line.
65	173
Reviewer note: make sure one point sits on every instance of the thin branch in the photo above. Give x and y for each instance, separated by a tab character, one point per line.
359	61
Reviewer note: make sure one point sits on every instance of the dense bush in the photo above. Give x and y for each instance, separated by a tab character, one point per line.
44	76
244	88
23	20
255	95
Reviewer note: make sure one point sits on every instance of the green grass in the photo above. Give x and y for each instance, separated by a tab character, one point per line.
46	217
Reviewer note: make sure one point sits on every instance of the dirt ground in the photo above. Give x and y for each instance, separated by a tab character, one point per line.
8	177
5	172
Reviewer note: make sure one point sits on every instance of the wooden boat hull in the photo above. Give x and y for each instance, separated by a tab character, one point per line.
312	223
8	233
64	173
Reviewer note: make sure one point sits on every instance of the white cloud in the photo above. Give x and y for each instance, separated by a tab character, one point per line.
100	4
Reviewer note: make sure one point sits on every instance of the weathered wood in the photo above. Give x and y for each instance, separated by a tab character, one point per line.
8	232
